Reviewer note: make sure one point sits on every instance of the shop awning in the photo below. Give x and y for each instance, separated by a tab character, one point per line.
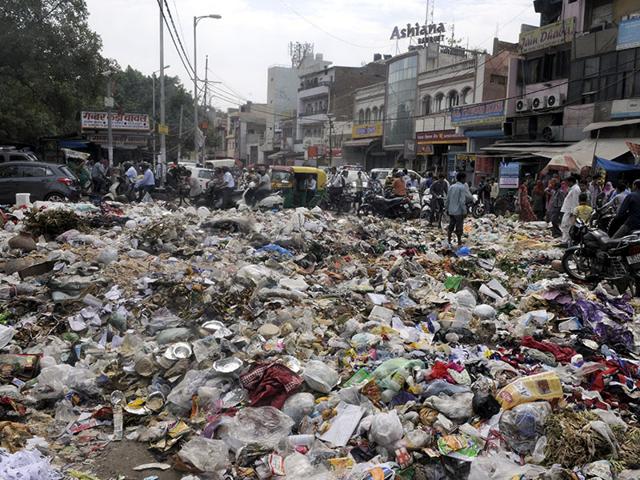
616	123
361	142
580	155
616	166
497	133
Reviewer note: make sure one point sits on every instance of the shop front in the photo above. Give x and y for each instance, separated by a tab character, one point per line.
436	151
365	147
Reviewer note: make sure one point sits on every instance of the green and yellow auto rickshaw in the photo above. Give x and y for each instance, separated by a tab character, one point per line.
296	185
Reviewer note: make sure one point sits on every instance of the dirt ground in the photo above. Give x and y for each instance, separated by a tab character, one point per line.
119	458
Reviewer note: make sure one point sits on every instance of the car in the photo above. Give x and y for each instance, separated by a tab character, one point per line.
44	181
10	154
380	174
204	175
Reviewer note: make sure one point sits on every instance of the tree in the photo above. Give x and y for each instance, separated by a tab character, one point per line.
50	67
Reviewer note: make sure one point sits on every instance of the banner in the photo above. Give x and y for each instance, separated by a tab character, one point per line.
509	175
478	114
119	121
548	36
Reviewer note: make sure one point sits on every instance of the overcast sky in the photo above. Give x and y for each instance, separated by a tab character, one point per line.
254	34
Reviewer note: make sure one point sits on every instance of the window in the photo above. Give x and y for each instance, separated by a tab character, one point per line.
453	99
361	116
426	105
205	174
591	66
16	158
367	115
533	70
499	79
9	172
599	13
438	103
374	114
381	110
466	96
34	171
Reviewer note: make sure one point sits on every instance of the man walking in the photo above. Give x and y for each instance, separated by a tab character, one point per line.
147	183
227	188
99	176
456	205
629	212
571	201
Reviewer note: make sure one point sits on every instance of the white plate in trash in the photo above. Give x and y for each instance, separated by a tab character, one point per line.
228	365
178	351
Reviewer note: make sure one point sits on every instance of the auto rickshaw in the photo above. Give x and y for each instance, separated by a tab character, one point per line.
292	182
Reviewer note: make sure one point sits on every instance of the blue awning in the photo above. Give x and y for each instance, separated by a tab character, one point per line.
73	144
610	166
497	133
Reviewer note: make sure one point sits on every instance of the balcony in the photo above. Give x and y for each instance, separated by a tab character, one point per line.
318	91
321	111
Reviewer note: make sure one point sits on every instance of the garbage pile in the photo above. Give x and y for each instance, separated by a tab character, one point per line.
298	344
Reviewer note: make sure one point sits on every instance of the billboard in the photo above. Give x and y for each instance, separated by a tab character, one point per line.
119	121
509	175
367	130
479	114
629	33
548	36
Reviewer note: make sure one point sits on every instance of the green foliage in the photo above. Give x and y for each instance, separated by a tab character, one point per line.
50	67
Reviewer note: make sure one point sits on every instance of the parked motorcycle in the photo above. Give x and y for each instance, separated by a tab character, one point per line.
395	207
120	189
477	207
595	257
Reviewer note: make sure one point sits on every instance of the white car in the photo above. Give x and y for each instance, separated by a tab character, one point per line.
204	175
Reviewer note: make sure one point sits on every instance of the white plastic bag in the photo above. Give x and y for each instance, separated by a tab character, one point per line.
320	377
386	428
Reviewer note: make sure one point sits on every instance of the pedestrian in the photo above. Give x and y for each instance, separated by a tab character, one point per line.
406	178
438	191
228	186
494	193
617	198
456	205
526	212
358	190
594	188
571	201
606	195
131	172
583	211
147	183
312	186
99	176
629	212
557	199
195	189
548	196
538	200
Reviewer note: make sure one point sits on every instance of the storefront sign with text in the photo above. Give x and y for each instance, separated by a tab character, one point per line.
440	136
119	121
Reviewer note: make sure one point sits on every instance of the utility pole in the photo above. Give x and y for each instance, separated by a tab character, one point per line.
180	134
163	140
206	116
154	123
109	102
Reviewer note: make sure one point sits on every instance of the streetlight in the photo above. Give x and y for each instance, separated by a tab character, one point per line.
195	78
153	114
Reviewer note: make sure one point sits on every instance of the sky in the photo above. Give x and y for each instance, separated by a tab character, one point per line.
254	34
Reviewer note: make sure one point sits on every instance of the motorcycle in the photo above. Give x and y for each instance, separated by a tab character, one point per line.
595	257
120	189
477	206
396	207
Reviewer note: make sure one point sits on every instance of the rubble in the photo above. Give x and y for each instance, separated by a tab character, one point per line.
299	344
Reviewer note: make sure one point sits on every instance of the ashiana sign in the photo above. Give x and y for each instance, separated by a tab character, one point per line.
429	33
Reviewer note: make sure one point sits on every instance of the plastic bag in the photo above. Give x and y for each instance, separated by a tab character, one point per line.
320	377
523	425
457	407
543	386
386	428
299	406
55	381
180	396
485	405
6	335
263	426
500	467
26	465
465	302
393	373
205	454
107	256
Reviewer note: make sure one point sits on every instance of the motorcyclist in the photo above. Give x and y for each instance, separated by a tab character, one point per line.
399	186
438	192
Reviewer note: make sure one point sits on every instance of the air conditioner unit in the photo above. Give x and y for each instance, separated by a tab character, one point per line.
555	100
553	132
523	105
538	103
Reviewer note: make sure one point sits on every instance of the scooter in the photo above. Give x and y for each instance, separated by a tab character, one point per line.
120	190
396	207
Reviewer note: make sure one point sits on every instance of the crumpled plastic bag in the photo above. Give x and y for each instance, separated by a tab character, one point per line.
319	376
263	426
458	407
523	425
500	467
385	373
386	428
55	381
205	454
299	406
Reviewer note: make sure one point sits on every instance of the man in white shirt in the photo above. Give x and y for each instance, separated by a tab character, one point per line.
571	201
195	188
228	186
131	173
310	186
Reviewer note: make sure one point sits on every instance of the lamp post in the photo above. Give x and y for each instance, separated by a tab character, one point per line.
195	78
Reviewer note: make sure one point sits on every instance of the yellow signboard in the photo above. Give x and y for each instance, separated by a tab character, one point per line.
367	130
553	34
163	129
